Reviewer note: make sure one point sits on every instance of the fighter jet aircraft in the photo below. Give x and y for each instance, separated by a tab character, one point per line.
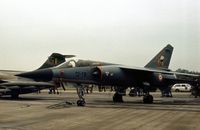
154	74
14	85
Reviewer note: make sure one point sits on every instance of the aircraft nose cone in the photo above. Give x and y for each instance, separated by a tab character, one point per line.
38	75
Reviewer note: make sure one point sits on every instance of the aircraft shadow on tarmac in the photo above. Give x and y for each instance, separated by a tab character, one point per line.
61	105
31	98
161	106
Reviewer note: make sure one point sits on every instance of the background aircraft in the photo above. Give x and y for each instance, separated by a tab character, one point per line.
14	85
153	74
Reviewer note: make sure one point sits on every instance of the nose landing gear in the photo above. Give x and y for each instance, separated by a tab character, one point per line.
80	92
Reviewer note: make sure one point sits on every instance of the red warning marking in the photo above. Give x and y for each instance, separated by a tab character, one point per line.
100	72
61	72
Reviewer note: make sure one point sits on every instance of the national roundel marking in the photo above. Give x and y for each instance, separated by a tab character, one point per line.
160	77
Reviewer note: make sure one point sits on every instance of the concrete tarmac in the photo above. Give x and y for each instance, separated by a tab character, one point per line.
51	112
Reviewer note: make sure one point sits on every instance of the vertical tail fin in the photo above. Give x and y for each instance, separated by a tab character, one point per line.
162	59
54	60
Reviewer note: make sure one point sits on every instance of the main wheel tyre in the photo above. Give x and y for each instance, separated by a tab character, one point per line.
117	98
148	99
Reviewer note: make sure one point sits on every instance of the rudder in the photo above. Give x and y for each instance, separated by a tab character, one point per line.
54	60
162	59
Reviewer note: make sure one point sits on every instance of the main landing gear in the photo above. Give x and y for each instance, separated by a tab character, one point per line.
117	97
148	99
119	93
80	92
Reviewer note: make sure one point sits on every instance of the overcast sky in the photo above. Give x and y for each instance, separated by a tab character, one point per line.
128	32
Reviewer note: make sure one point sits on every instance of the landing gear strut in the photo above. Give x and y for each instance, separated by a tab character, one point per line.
80	92
147	99
119	93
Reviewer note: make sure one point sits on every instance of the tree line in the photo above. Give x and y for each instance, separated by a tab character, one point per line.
187	71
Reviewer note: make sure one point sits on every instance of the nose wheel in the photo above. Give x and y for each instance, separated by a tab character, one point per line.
80	93
81	103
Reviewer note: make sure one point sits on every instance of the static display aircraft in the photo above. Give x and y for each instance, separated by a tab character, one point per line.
14	85
154	75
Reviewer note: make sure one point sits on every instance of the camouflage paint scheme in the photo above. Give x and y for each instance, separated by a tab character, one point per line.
154	75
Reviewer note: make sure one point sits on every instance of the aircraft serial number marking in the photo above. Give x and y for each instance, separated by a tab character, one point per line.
81	75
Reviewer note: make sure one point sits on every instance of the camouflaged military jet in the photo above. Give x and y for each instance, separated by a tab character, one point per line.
14	85
154	75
